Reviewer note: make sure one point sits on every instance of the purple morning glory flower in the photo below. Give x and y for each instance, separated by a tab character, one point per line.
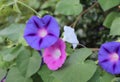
41	32
109	57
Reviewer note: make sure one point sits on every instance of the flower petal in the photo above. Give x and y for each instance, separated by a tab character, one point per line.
52	25
70	36
109	57
41	32
48	41
30	39
49	55
36	22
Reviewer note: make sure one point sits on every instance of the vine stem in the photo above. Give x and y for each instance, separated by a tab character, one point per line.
28	7
3	6
82	45
94	49
78	18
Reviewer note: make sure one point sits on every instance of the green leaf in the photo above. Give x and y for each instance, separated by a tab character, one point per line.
45	74
28	80
75	73
56	80
107	4
71	7
14	75
27	64
4	64
117	79
101	76
13	31
11	53
22	61
22	40
48	4
34	64
109	19
1	40
96	76
37	78
79	55
75	69
34	4
69	49
115	29
2	73
106	77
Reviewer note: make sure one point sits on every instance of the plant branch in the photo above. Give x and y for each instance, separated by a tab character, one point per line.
28	7
3	6
94	49
82	45
78	18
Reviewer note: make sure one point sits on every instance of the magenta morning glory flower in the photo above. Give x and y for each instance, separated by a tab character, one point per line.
55	55
41	32
109	57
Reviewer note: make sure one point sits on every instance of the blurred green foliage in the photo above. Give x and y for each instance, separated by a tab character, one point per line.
97	25
89	28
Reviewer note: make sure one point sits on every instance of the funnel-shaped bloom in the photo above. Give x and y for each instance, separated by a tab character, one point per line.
55	55
41	32
109	57
70	36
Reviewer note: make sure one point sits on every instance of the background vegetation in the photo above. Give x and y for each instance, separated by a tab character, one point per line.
95	22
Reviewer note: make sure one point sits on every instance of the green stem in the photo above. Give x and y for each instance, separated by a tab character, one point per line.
28	7
82	45
16	5
3	6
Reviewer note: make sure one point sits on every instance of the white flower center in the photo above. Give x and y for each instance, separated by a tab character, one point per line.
42	33
57	54
114	57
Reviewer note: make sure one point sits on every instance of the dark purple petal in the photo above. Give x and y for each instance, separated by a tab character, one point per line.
117	68
111	46
117	49
36	22
48	40
32	34
40	42
104	61
51	34
47	19
106	50
36	44
52	25
114	66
